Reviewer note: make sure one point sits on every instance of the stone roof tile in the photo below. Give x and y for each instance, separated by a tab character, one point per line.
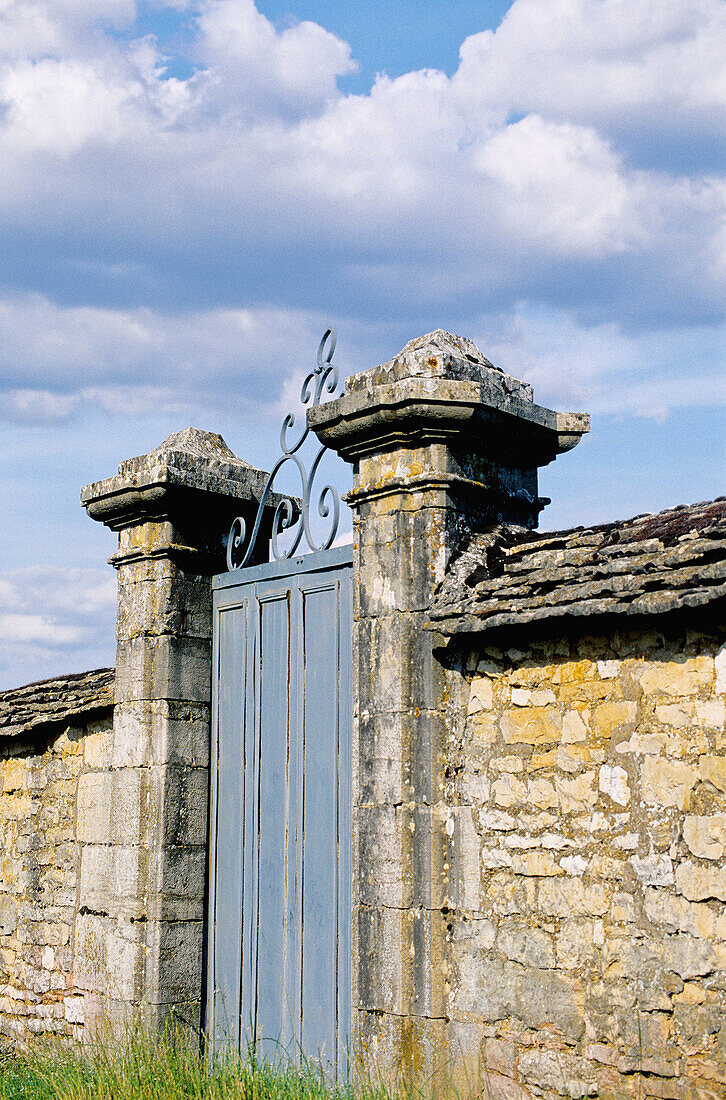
648	565
28	709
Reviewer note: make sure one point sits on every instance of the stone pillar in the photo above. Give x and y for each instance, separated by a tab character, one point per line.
442	445
143	799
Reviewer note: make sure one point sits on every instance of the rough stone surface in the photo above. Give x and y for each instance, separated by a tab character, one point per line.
103	809
440	416
429	435
537	824
593	858
192	471
40	770
539	817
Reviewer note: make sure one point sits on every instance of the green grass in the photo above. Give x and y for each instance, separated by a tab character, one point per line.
164	1067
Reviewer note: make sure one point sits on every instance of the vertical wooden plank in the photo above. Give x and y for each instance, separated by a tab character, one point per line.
345	820
275	894
297	824
210	1006
320	867
229	831
251	750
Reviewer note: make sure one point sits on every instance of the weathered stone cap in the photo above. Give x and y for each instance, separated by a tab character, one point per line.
441	354
191	461
182	450
442	386
648	565
56	702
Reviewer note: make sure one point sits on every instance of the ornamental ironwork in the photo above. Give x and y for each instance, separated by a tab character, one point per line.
292	517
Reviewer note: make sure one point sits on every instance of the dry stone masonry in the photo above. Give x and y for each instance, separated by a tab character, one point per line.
589	815
539	790
588	806
44	730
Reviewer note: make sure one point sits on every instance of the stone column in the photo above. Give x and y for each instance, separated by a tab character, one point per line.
143	799
442	445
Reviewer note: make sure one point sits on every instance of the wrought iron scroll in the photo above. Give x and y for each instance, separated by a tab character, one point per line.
289	518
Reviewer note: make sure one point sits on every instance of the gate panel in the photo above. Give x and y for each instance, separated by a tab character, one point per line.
229	842
279	933
275	835
320	820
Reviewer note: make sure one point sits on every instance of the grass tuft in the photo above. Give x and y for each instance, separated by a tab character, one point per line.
166	1067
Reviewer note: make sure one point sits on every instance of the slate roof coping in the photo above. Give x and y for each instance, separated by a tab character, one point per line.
652	564
56	702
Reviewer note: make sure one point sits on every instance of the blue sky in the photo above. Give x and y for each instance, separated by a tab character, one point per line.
193	190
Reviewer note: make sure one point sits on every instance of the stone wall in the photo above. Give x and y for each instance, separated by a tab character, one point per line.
43	748
587	804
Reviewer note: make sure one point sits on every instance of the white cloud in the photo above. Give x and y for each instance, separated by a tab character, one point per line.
54	361
602	368
81	592
20	629
620	65
55	620
563	185
58	107
256	71
28	406
257	173
174	245
189	365
39	28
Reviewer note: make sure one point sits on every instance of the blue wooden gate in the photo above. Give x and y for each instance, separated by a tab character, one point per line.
279	946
